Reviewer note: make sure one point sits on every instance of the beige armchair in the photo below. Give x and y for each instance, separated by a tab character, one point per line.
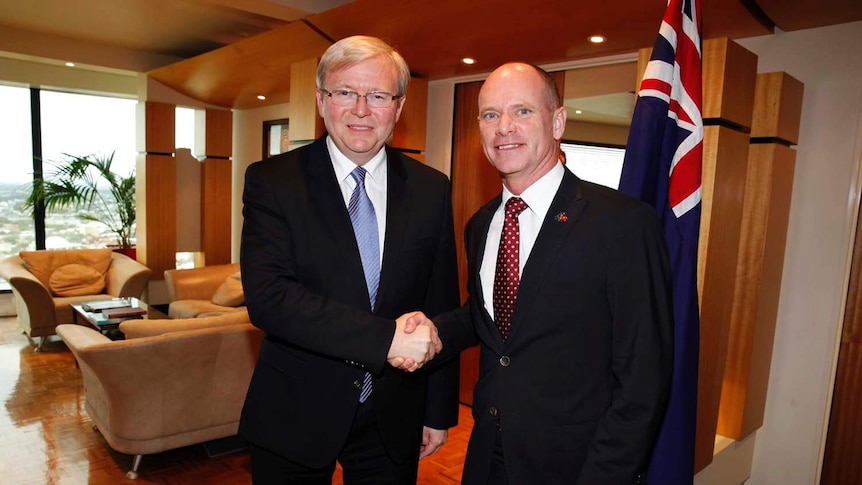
205	291
164	391
46	282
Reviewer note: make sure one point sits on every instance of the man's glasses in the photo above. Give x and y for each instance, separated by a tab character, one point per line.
343	97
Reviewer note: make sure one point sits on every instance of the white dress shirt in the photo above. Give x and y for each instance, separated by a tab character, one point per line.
375	183
538	198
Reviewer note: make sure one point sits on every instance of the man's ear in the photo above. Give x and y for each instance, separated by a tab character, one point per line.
319	96
399	107
559	118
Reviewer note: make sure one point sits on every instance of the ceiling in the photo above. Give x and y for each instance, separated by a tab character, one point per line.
225	52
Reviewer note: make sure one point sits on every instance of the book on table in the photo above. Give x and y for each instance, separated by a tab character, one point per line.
97	306
124	312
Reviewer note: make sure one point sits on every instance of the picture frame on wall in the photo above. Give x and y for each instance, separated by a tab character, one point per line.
275	137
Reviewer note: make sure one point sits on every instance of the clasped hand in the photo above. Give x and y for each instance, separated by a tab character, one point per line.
415	342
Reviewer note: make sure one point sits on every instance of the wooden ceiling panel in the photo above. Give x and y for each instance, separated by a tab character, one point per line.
434	37
791	15
233	76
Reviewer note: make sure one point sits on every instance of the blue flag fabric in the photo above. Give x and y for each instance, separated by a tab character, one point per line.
662	166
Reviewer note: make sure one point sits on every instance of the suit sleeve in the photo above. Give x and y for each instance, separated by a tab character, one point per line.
639	295
278	302
443	295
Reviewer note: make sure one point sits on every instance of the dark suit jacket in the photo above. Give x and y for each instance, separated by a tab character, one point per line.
305	288
580	386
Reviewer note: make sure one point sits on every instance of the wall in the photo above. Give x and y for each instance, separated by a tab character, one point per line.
247	149
825	198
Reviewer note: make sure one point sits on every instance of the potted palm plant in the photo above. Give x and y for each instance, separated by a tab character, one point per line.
88	183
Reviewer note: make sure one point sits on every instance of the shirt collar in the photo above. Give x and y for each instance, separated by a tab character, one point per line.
540	195
344	166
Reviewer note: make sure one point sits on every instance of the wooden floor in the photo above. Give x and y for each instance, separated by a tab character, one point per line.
46	436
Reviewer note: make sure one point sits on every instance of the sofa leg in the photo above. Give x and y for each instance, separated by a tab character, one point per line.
41	343
133	473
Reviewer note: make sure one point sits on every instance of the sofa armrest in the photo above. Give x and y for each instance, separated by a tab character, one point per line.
197	283
31	295
80	337
126	277
139	328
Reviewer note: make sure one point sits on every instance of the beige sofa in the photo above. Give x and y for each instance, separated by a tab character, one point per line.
45	282
171	383
205	291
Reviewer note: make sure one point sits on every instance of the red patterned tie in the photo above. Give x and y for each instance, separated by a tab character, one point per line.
507	276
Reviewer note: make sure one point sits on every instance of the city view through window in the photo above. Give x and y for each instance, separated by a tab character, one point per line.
72	124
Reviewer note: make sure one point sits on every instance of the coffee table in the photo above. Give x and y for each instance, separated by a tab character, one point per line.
103	323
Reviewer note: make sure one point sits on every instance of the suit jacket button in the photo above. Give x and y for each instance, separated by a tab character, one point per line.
493	411
357	384
505	361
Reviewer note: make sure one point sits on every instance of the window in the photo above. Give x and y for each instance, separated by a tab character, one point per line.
82	125
600	164
16	228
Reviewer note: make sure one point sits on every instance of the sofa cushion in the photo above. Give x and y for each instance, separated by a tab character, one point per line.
43	263
76	279
230	292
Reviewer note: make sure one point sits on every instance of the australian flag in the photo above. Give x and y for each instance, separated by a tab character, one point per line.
662	166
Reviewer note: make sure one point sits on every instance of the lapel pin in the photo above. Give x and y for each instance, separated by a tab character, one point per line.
561	217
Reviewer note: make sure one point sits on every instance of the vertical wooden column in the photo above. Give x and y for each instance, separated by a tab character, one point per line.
305	124
729	73
766	210
156	183
216	187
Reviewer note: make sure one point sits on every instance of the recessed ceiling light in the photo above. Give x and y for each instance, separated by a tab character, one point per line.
577	112
468	61
597	39
70	64
261	97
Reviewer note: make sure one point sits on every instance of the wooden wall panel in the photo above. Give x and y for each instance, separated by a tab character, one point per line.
216	210
155	187
156	130
841	464
217	132
725	157
474	182
215	184
769	185
305	124
728	82
410	130
778	109
156	201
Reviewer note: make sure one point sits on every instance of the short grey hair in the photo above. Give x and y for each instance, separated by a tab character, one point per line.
350	51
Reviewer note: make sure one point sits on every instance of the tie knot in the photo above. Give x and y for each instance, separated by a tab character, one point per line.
514	206
358	175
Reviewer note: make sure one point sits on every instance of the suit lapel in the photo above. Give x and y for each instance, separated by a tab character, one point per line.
476	253
562	217
325	194
398	210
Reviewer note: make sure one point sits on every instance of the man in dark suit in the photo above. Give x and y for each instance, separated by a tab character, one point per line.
339	238
569	301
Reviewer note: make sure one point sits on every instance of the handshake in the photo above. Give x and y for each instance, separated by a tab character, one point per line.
415	342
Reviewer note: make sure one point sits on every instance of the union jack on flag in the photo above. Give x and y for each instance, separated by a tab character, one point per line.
662	166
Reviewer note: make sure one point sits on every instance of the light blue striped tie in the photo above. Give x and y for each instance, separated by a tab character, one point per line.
364	222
